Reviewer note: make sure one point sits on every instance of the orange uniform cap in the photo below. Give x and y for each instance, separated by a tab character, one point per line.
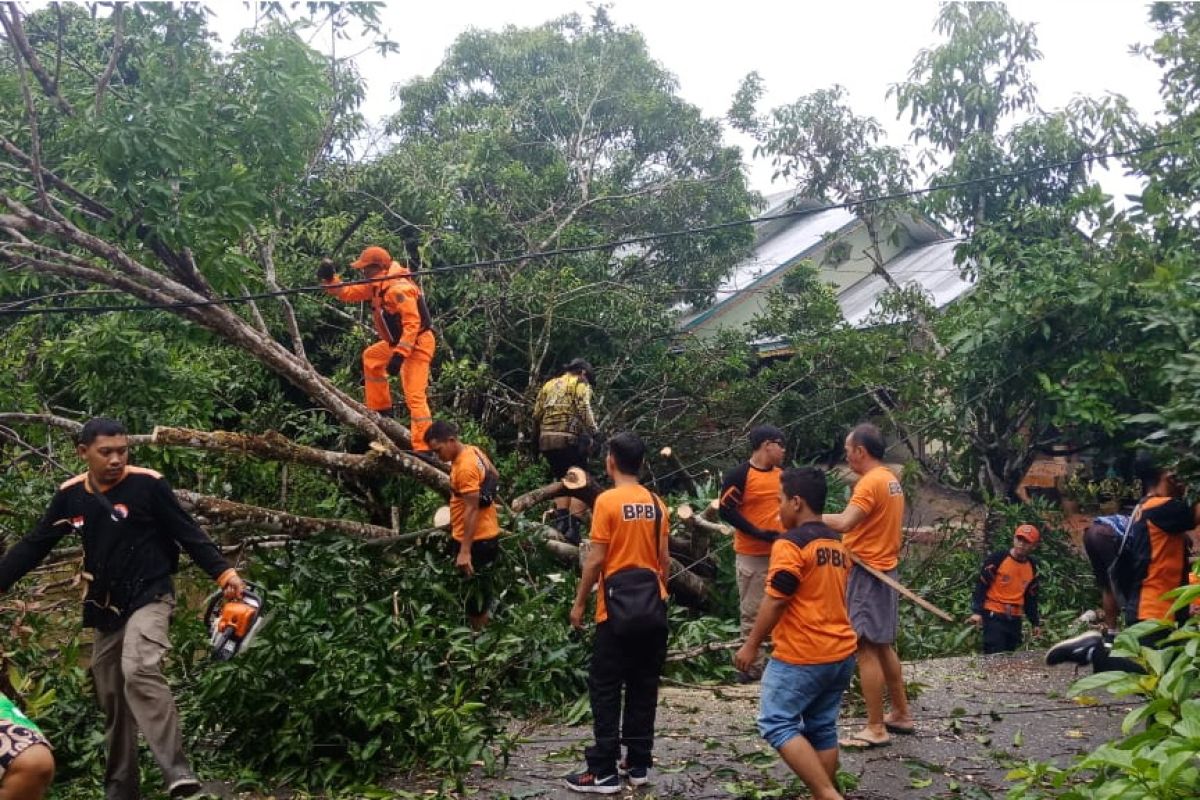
1028	532
373	255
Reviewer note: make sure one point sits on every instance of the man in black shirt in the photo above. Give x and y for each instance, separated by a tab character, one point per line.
132	529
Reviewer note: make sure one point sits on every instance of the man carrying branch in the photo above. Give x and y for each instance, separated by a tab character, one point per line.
406	341
872	525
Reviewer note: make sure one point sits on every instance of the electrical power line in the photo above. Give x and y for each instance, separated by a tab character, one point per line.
612	244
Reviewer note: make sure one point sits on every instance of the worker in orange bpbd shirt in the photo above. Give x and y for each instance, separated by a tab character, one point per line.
1152	562
804	611
871	525
750	503
1007	593
474	525
406	341
629	561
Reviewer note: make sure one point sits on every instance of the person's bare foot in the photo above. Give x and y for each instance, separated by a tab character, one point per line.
901	725
865	739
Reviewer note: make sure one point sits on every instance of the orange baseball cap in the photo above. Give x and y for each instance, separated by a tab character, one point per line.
373	255
1028	533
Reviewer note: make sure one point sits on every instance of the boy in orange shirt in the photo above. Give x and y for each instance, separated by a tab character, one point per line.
804	611
629	532
1006	592
474	526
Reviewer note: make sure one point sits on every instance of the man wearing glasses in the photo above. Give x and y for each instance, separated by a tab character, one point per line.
750	503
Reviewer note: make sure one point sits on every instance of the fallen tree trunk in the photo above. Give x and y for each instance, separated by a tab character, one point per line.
702	531
540	495
689	587
215	508
271	446
576	484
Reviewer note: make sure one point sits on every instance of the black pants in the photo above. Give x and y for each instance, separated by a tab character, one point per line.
479	590
633	664
1001	634
1104	661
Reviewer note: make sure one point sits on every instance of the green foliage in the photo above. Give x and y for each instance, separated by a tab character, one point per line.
367	664
1156	755
561	135
937	570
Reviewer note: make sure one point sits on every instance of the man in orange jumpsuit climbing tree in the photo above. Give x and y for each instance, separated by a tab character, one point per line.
406	341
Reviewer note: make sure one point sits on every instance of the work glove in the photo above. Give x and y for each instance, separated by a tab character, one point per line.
325	272
394	364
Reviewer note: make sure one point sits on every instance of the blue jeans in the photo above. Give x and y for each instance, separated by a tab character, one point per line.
803	700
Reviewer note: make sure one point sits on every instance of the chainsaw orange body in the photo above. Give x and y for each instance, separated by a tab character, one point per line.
233	623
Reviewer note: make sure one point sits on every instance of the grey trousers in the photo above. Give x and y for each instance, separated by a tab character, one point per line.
126	667
752	585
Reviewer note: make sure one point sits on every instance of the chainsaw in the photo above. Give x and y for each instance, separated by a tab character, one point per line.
232	624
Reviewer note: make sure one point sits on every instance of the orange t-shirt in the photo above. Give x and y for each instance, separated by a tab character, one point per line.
750	501
623	519
1168	565
1194	580
809	567
876	540
466	477
1006	595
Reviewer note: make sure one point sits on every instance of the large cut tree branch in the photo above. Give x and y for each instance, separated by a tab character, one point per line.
270	446
214	510
273	446
152	287
86	202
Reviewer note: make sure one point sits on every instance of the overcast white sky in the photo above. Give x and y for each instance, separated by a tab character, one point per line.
797	48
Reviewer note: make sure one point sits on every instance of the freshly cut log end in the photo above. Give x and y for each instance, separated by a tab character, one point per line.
441	518
712	511
684	512
666	452
575	479
581	486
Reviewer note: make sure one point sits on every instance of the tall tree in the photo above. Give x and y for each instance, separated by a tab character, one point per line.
959	92
147	166
531	140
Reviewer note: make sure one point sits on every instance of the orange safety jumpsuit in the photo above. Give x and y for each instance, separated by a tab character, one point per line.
403	323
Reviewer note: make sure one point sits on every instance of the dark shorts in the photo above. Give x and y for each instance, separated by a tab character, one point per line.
1101	543
17	734
562	459
479	590
873	605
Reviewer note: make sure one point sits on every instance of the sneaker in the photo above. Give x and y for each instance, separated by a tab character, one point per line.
637	776
588	783
1109	637
184	787
1077	649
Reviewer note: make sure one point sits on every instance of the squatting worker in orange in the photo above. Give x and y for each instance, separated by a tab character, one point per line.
406	341
750	503
871	528
474	526
132	529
